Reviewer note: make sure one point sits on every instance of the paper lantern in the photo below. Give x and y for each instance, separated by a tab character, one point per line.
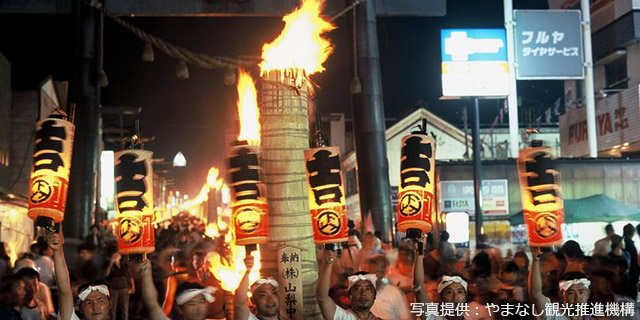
50	171
541	196
415	194
134	201
326	195
249	212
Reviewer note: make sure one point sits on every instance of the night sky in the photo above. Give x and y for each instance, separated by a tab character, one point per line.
191	115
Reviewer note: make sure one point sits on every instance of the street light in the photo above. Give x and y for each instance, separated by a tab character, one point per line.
179	160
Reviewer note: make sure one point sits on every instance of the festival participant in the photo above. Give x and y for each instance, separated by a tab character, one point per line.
362	291
573	286
32	307
264	295
95	301
451	289
191	298
390	303
12	294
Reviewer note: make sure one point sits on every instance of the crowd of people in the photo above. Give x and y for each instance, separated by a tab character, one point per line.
366	279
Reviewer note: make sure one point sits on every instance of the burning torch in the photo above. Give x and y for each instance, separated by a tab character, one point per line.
415	194
249	216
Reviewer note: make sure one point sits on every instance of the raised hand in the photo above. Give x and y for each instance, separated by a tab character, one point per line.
55	241
249	261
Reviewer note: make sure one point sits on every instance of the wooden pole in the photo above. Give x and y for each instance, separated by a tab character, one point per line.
284	137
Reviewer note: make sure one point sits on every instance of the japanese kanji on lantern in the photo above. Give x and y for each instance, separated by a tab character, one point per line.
415	194
50	171
326	195
541	196
250	220
134	201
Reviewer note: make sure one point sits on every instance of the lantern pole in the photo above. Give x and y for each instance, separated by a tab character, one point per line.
477	168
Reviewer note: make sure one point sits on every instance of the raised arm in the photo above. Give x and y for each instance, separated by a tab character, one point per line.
418	274
327	306
240	307
65	295
149	294
535	286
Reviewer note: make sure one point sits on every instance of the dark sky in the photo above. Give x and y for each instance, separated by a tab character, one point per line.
191	115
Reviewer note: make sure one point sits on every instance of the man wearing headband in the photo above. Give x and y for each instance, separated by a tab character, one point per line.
95	301
573	287
451	289
362	292
264	295
191	298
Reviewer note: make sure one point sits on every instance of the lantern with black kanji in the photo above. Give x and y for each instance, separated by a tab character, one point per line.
326	195
134	201
49	182
249	212
541	194
416	186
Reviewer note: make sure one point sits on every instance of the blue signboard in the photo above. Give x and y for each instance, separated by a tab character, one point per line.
474	62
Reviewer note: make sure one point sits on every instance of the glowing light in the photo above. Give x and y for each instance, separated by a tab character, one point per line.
226	194
457	226
248	109
212	230
212	178
231	269
300	46
179	160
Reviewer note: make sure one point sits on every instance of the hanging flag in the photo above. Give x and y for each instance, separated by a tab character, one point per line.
547	116
556	109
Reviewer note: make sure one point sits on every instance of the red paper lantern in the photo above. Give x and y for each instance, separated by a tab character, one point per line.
326	195
415	194
134	201
50	171
249	212
541	196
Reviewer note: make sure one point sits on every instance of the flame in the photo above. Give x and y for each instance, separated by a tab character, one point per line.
230	272
300	45
212	230
212	179
248	109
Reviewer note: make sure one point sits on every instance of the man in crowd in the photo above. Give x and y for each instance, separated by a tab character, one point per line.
573	286
602	246
44	264
390	303
12	294
32	308
362	292
264	295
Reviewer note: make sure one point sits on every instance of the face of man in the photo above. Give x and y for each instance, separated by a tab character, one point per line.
194	309
363	295
85	255
577	293
96	306
198	260
18	293
520	262
266	300
509	278
376	268
454	293
31	287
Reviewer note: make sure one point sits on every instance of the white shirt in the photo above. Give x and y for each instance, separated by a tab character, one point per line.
391	304
47	270
74	316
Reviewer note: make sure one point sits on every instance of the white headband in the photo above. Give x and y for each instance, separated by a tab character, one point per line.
565	285
362	277
263	281
447	280
100	288
189	294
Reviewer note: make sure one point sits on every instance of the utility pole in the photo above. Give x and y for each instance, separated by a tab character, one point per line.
512	98
589	91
